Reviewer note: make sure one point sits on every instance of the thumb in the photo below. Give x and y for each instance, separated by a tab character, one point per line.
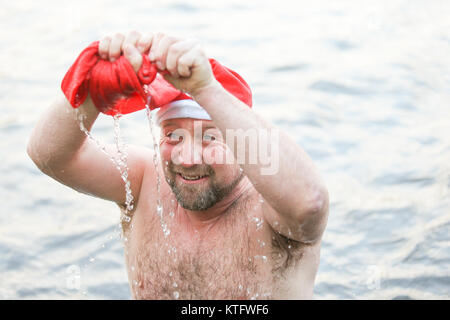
133	56
176	82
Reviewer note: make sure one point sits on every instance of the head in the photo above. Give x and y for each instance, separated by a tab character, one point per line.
196	162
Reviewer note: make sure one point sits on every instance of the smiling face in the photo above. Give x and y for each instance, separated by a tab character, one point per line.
193	154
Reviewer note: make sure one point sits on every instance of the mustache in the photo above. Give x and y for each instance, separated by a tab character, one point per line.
196	170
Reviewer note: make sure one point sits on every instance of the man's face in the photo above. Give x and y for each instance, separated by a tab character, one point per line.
196	162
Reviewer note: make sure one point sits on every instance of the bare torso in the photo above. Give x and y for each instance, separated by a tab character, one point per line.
238	256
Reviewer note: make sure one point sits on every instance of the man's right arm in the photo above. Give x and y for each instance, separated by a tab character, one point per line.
61	150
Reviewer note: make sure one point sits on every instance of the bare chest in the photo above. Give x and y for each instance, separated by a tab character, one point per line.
233	259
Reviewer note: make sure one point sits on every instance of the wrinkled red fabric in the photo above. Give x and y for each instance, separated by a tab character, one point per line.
115	88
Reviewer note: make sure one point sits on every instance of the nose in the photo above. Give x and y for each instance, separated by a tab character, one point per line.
189	152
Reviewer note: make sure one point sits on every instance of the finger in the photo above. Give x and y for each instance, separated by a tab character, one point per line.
145	42
133	56
103	47
160	52
187	61
131	38
115	47
175	51
155	42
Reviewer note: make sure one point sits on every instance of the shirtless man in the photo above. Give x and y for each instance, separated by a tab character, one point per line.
235	233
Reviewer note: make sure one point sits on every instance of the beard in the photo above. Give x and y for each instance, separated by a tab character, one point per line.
198	197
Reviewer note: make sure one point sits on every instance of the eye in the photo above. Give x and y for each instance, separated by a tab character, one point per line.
174	137
208	137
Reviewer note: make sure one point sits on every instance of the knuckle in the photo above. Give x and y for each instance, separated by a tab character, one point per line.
175	49
105	39
118	38
157	54
143	40
134	33
159	35
193	41
132	37
172	38
198	47
183	61
183	70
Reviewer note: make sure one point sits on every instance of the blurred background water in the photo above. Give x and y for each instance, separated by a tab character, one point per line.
363	86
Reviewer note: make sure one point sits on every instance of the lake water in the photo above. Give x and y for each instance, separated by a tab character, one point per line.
363	86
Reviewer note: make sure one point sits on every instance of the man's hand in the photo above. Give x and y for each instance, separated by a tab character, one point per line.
188	67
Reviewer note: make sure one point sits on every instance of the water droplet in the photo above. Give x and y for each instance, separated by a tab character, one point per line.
132	268
175	285
289	246
166	232
91	259
170	274
259	222
240	287
171	214
135	282
176	294
255	296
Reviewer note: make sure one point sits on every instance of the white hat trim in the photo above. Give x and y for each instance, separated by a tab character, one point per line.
181	109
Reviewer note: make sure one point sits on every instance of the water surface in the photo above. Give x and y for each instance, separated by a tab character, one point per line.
363	86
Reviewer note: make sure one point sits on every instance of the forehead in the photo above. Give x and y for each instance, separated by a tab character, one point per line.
187	123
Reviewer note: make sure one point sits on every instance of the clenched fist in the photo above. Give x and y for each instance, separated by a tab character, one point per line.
188	67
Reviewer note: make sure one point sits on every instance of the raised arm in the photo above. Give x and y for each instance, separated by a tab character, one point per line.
61	150
297	199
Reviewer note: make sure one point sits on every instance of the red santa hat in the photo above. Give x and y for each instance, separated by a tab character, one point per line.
116	89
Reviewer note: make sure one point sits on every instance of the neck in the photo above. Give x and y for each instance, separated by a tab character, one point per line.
204	218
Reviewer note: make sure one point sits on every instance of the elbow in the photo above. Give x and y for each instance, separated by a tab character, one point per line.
322	201
317	204
31	153
37	157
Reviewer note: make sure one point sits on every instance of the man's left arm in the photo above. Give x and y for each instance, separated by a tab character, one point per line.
296	194
296	197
